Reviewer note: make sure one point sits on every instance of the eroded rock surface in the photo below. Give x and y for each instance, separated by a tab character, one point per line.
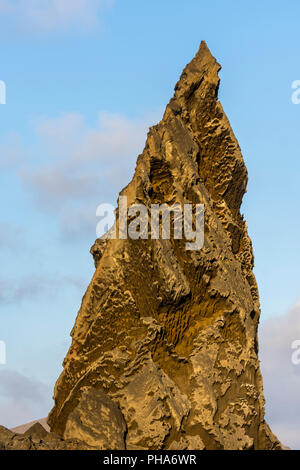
170	335
98	421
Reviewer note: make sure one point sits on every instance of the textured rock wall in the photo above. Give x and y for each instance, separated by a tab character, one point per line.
170	335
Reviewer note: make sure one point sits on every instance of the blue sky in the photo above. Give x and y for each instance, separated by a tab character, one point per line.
85	79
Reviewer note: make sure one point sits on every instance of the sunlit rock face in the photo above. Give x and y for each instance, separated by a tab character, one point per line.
169	335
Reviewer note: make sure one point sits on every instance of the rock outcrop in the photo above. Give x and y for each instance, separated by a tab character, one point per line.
97	421
21	429
167	337
37	438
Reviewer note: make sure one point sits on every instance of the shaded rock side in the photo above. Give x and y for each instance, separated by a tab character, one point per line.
170	335
97	421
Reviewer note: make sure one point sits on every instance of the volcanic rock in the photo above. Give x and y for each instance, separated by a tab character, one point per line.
98	421
37	438
168	334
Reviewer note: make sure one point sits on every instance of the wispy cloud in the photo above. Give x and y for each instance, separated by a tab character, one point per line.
12	237
22	398
53	15
19	290
78	167
281	376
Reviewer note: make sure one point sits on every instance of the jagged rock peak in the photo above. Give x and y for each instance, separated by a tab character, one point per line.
203	65
165	341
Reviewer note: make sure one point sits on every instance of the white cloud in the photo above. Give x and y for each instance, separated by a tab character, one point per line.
113	136
78	167
54	15
281	377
